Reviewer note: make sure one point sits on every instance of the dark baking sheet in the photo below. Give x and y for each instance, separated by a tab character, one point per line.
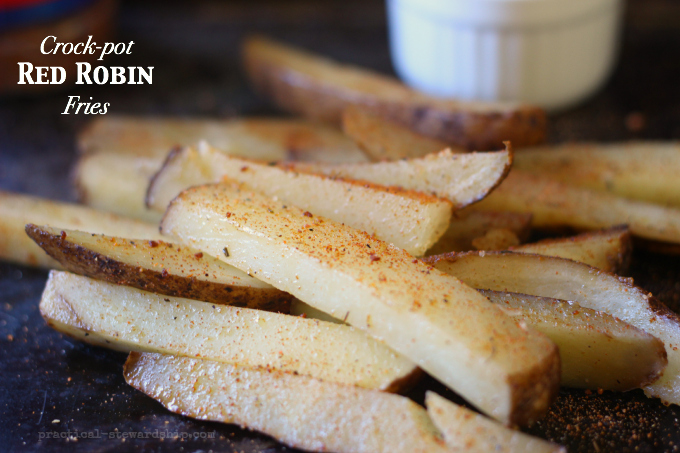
50	384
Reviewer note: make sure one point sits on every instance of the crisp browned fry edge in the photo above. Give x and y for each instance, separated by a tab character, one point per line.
271	68
83	261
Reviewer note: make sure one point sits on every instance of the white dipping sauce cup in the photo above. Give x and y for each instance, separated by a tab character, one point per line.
552	53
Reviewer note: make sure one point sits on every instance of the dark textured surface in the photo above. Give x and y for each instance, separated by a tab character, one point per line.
193	46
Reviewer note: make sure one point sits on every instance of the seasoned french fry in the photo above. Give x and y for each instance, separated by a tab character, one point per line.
445	327
116	183
461	178
408	219
128	319
271	139
646	171
157	266
555	204
382	140
320	88
564	279
17	210
299	411
465	430
467	225
609	250
597	350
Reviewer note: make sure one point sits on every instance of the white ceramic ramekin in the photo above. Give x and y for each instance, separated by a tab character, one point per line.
553	53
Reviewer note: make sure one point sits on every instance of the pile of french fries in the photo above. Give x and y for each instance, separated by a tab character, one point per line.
293	279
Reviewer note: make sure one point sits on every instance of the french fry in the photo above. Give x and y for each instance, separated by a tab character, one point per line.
564	279
597	350
462	178
445	327
609	250
157	266
116	183
465	430
467	225
408	219
645	171
128	319
17	210
299	411
554	204
320	88
382	140
271	139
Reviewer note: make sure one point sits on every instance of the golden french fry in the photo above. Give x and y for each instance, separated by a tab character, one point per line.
17	210
597	350
271	139
116	182
408	219
461	178
645	171
299	411
467	225
381	139
128	319
445	327
555	204
564	279
157	266
609	250
320	88
465	430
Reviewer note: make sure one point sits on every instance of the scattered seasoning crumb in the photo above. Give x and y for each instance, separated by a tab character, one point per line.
199	255
164	273
63	235
374	257
228	214
153	244
226	252
244	168
308	214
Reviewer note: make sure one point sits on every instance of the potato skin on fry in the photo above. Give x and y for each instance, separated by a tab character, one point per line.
175	282
319	88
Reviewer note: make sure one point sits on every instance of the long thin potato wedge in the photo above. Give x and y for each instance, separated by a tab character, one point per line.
299	411
272	139
462	178
555	204
597	350
17	210
408	219
646	171
157	266
445	327
128	319
382	140
116	183
467	225
564	279
320	88
465	430
609	250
